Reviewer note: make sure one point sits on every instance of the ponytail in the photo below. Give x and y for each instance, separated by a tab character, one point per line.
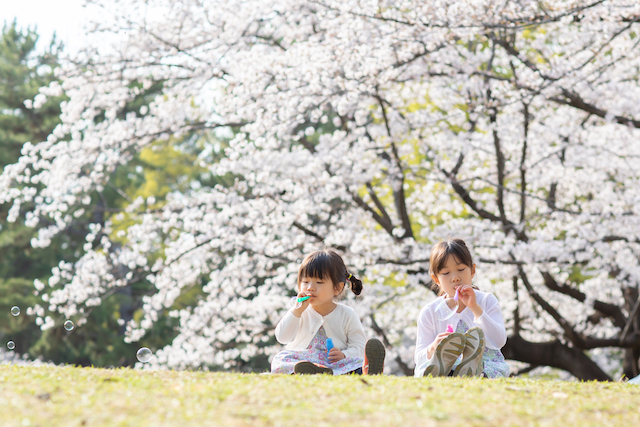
356	284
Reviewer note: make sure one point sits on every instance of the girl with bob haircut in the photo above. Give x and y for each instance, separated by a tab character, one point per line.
469	343
308	326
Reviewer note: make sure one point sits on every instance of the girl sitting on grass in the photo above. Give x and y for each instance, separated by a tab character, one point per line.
306	327
468	343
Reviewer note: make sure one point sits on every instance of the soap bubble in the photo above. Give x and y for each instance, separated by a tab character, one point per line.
448	307
68	325
144	355
15	310
11	345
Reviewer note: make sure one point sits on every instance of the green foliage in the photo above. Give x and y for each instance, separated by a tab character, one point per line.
22	73
165	167
99	341
100	397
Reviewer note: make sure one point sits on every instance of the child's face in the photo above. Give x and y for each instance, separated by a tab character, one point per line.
454	274
320	289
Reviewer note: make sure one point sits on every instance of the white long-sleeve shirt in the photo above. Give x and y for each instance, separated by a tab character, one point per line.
491	323
342	325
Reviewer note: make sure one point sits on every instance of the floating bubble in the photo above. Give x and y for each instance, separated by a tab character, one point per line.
296	302
448	307
11	345
144	355
68	325
15	310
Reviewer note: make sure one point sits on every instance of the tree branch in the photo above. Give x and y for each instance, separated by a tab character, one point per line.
575	101
577	339
516	312
524	370
466	197
500	161
554	354
398	187
523	167
609	310
378	330
378	203
384	223
381	218
308	232
632	315
570	333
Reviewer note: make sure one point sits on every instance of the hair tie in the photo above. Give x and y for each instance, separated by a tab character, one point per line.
349	278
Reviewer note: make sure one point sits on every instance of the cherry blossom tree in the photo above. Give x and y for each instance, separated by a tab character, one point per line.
376	127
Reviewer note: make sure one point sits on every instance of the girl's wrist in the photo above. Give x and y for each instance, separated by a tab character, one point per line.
476	310
430	351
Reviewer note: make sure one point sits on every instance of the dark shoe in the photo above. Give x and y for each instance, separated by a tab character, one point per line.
373	357
309	368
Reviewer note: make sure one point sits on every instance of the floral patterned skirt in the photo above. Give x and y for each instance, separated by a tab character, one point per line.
284	361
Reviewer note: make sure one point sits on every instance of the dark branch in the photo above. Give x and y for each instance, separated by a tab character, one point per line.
632	316
308	232
608	239
466	197
378	203
384	223
569	332
609	310
523	168
577	339
524	370
378	330
500	164
516	312
574	100
497	261
398	187
554	354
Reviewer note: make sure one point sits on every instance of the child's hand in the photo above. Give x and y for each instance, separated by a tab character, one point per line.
335	354
467	295
432	347
304	304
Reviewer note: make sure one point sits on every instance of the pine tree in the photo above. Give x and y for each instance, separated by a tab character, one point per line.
22	72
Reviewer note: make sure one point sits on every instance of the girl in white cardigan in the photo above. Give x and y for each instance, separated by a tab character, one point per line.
307	326
468	343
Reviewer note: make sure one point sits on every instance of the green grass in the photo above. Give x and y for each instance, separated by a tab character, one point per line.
64	396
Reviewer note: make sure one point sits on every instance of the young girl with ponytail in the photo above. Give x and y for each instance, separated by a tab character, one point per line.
308	326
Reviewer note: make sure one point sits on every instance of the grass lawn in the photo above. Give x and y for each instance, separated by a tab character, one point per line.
65	396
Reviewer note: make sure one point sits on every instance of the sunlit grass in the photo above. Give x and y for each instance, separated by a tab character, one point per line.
57	396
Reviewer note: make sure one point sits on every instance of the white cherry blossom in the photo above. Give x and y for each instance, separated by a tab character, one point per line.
377	127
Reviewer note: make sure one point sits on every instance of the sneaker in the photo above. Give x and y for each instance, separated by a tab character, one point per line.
472	365
446	354
311	368
373	357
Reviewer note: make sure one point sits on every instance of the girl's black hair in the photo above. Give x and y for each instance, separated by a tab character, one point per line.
328	264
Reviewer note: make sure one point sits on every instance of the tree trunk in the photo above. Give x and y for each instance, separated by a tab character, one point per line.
554	354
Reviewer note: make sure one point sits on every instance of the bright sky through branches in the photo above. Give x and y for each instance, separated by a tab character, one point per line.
64	17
